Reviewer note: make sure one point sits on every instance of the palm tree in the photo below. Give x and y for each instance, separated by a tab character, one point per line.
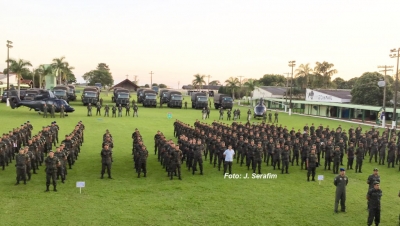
325	69
251	84
233	84
44	71
67	70
59	66
304	70
19	67
198	80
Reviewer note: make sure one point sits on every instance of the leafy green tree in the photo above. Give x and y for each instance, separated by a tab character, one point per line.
155	84
101	75
251	85
272	80
366	90
340	83
19	67
162	86
214	83
146	86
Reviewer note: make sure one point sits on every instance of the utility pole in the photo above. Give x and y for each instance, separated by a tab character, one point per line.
394	55
208	83
9	46
386	69
291	64
127	76
287	84
179	84
151	79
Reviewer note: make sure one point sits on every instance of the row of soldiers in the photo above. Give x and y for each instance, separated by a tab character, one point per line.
106	154
52	109
140	153
11	142
274	140
114	109
170	156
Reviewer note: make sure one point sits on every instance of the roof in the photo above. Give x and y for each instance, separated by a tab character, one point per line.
340	93
343	105
203	87
126	82
274	90
26	81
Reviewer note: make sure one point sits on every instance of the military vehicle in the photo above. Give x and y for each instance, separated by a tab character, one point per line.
163	95
90	95
140	95
31	93
199	100
121	96
71	93
223	100
60	94
260	109
175	101
150	98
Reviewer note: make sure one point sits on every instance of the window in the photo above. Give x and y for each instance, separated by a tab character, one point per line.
90	94
227	99
176	97
202	98
151	97
123	95
59	92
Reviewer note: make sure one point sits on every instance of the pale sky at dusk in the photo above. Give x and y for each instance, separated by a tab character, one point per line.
177	39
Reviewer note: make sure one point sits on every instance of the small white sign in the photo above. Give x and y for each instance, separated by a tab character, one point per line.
80	184
320	177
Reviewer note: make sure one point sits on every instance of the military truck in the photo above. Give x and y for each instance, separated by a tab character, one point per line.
140	95
62	92
121	96
71	93
90	95
149	98
163	95
199	100
175	101
223	100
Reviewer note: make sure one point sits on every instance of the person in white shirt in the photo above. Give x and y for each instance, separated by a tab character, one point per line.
228	154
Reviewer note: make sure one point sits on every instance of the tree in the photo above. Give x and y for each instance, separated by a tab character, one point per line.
215	83
340	83
58	66
146	86
304	71
232	83
325	69
367	91
66	75
101	75
251	85
19	67
198	80
155	84
351	83
272	80
162	86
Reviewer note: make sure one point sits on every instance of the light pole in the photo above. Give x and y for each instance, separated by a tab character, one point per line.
151	79
287	86
291	64
9	46
394	55
382	83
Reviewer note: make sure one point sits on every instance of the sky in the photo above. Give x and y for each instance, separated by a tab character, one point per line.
178	39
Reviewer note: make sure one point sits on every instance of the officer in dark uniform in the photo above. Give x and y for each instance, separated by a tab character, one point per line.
114	111
52	163
341	182
350	156
135	110
285	156
62	110
60	168
229	113
197	158
98	108
185	105
106	110
45	110
372	179
258	156
106	160
52	111
120	110
336	159
359	157
276	117
20	163
143	154
208	112
374	199
127	110
312	161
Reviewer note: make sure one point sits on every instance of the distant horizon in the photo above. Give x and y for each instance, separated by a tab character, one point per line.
178	39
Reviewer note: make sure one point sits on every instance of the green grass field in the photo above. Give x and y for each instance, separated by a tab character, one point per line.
196	200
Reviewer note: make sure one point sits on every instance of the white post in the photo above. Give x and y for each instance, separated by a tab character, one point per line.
285	107
290	111
393	124
8	102
383	122
80	190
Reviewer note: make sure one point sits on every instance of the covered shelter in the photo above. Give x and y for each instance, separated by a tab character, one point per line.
126	84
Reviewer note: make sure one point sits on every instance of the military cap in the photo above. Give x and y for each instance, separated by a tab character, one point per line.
21	149
252	140
337	147
51	151
376	169
376	182
342	169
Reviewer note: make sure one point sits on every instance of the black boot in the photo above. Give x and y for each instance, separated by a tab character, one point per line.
102	176
144	175
138	175
47	188
55	188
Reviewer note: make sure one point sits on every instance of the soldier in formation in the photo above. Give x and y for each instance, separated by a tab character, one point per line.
127	110
135	110
114	111
62	110
98	108
106	111
89	109
120	110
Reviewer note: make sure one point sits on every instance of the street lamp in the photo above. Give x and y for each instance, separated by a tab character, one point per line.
291	64
382	83
9	46
394	55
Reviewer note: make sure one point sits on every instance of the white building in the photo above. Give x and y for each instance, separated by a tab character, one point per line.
269	92
326	95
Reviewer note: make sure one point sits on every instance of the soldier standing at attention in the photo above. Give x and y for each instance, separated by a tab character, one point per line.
270	117
285	156
238	113
62	158
264	117
51	170
204	113
228	155
52	111
374	198
114	111
62	110
197	157
101	101
21	160
98	107
31	157
208	112
44	110
135	110
372	179
106	110
221	114
89	109
143	154
336	159
341	182
228	114
391	154
276	156
359	157
276	117
258	156
106	160
119	110
248	115
312	161
127	110
350	156
185	105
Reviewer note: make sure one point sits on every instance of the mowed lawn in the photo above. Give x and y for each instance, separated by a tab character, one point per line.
207	199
